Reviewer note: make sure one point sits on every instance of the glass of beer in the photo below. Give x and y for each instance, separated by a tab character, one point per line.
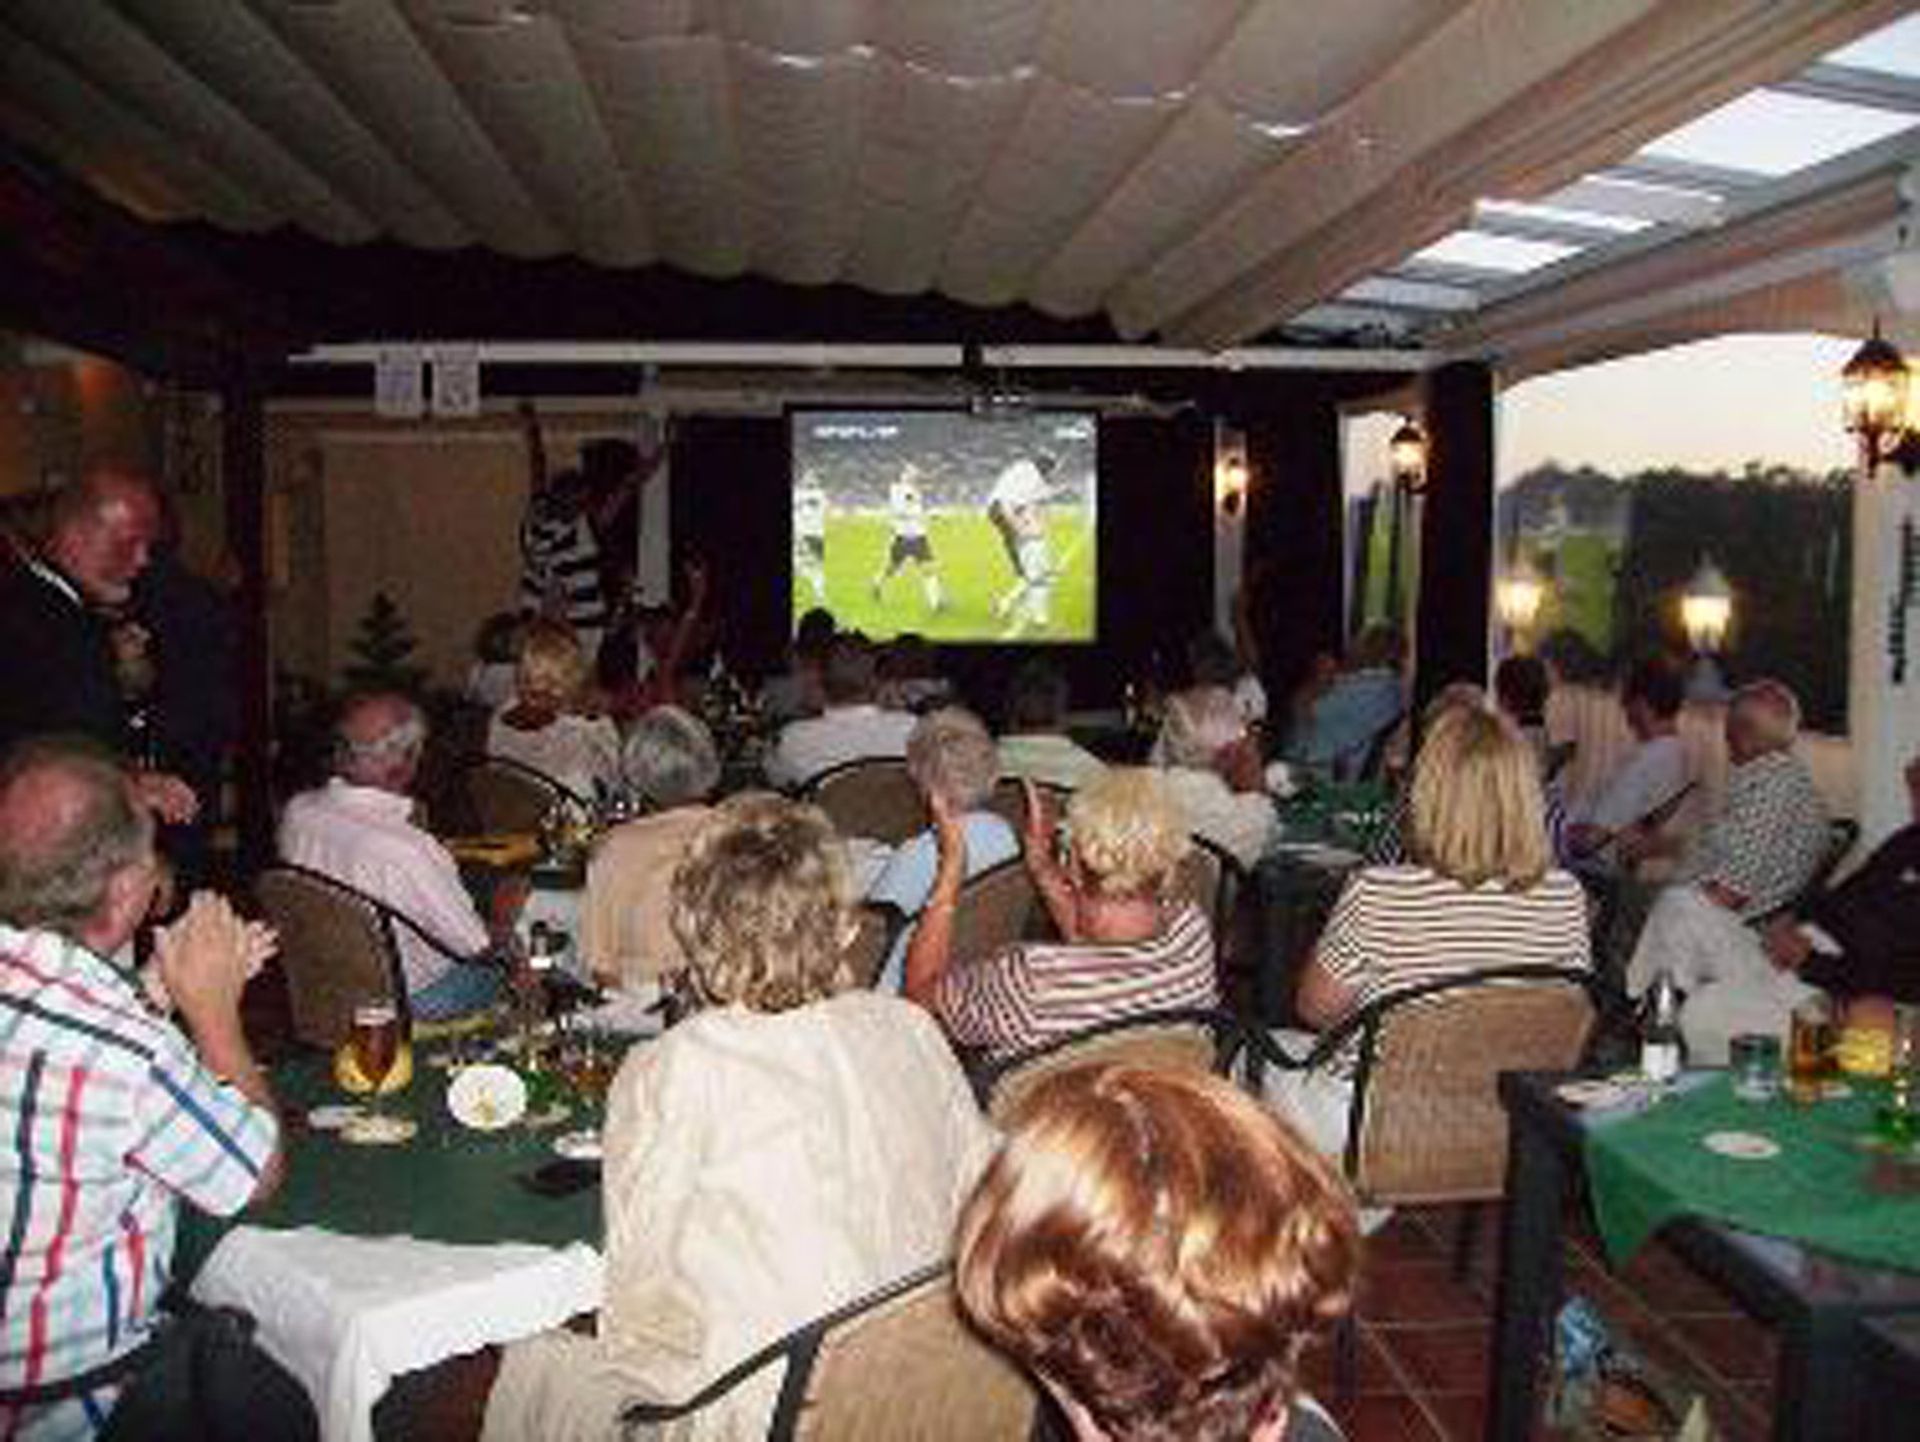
375	1040
1809	1050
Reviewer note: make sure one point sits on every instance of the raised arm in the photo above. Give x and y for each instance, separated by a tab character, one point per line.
1055	889
932	945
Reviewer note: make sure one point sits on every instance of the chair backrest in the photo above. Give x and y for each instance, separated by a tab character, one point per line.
1212	878
1009	801
879	922
336	948
1372	761
996	908
873	797
1427	1124
898	1362
505	795
1194	1040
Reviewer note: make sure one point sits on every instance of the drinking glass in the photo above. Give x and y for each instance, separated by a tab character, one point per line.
375	1040
1809	1049
1755	1062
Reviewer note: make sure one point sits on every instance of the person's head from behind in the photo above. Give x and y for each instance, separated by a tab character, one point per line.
1762	718
813	636
1158	1249
1211	661
1651	694
1128	834
1521	686
551	668
1378	647
849	674
669	759
76	848
1036	699
763	905
1201	726
378	742
950	755
1476	813
103	531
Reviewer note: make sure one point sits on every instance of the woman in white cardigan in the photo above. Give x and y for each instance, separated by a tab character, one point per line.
794	1144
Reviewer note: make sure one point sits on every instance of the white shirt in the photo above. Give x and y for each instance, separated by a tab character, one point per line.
1241	822
365	837
579	752
1020	484
909	509
1655	771
1050	758
844	733
810	514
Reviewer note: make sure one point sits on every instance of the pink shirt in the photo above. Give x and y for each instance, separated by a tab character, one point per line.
366	838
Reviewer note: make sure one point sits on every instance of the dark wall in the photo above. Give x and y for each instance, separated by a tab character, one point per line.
1155	538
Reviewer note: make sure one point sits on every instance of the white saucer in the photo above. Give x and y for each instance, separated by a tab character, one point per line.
379	1130
333	1117
1741	1146
578	1146
487	1097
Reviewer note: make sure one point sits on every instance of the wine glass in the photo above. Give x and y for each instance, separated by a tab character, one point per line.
375	1041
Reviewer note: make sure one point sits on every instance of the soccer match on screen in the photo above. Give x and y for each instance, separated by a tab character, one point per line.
955	527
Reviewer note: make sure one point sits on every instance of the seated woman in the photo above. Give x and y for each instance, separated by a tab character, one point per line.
1158	1251
1125	948
789	1147
949	755
669	765
545	726
1479	892
1214	772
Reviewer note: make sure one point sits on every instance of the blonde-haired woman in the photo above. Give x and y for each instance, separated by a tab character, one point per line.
1159	1250
547	725
790	1146
1125	948
1479	892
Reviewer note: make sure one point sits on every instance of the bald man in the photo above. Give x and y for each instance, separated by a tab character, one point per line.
57	623
359	829
114	1115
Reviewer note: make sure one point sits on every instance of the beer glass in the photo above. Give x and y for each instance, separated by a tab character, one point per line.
375	1040
1809	1049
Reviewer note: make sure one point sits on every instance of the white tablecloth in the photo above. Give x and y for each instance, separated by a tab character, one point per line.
346	1315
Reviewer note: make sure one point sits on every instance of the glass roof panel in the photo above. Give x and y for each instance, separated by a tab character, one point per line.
1893	50
1773	134
1507	254
1599	220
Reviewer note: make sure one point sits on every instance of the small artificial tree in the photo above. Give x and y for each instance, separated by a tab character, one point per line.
381	647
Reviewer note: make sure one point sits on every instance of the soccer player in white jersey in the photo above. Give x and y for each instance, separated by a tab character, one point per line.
1017	507
907	511
810	534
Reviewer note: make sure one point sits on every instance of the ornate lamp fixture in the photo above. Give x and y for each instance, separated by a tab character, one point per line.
1873	398
1706	608
1517	597
1407	456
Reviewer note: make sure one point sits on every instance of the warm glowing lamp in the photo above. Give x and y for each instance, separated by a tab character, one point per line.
1706	608
1517	597
1873	397
1407	455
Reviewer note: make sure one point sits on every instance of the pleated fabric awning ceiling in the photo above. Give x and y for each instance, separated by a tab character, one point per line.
1198	170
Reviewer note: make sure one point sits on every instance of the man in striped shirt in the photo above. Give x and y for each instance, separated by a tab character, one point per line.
1125	949
113	1115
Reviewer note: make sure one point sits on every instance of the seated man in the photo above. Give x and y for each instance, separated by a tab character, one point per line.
1333	729
1752	859
1033	744
114	1115
1651	696
853	726
1213	772
358	829
1126	947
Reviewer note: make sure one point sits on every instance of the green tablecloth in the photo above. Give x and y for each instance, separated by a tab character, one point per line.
447	1185
1827	1187
1339	813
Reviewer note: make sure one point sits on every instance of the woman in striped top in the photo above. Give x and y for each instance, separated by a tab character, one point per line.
1125	949
1479	893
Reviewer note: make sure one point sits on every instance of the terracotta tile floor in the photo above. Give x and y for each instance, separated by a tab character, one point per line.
1425	1337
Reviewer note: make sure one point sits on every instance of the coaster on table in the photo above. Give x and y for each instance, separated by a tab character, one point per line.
487	1097
371	1129
578	1146
1741	1146
333	1117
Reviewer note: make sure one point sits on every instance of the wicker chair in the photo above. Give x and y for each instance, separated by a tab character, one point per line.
337	946
505	795
996	908
1009	801
872	797
897	1363
1200	1039
879	923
